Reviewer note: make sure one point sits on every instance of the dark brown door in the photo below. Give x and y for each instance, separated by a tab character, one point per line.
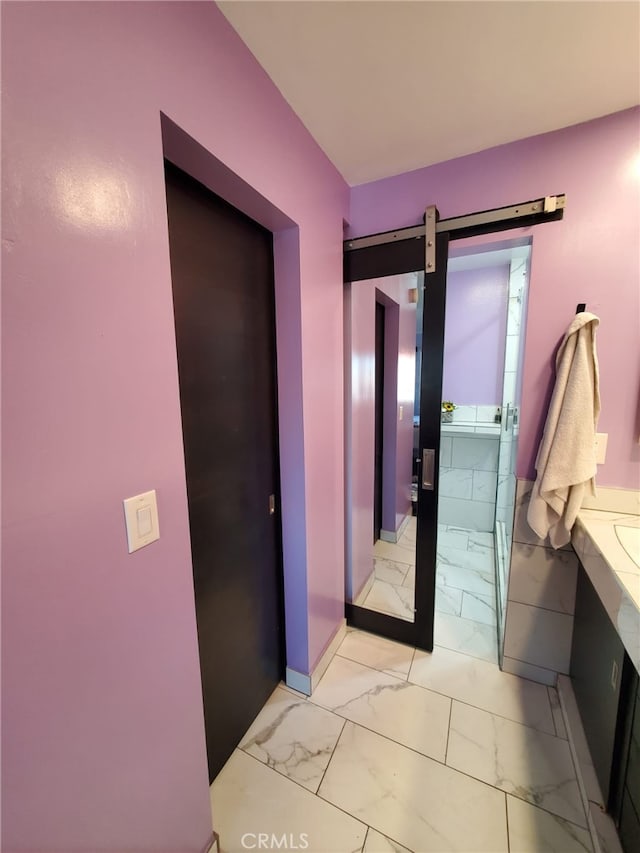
222	274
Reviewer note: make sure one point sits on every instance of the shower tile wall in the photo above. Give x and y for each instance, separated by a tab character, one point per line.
468	477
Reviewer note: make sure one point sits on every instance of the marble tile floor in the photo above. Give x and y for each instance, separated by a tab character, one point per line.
465	587
400	750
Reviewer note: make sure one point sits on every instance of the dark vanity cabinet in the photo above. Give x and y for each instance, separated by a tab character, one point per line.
629	801
605	684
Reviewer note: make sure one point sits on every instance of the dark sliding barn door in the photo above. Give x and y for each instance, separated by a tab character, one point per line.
222	274
379	418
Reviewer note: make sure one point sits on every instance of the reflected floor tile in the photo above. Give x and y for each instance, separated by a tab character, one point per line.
394	551
377	843
469	579
248	797
452	538
529	764
481	542
480	683
410	580
377	652
479	607
449	600
532	830
388	598
294	737
391	706
477	561
390	570
465	635
423	805
556	710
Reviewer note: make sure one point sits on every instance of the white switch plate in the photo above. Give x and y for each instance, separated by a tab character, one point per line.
601	447
401	408
141	519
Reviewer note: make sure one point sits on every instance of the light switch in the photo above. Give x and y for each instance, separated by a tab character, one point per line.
141	519
601	447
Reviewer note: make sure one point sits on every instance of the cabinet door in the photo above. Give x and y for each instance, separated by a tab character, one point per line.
597	659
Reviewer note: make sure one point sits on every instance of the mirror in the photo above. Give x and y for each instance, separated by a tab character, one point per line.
382	378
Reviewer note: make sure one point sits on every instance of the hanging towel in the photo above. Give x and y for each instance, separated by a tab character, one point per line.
566	461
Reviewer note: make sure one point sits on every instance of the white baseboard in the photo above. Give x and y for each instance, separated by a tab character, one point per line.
366	588
394	535
307	683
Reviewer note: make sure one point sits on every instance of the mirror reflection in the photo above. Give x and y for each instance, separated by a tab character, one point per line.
382	379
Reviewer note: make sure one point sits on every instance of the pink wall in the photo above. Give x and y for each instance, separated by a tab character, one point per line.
591	256
103	740
475	335
361	427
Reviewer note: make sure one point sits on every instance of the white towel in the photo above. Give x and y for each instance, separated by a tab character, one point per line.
566	461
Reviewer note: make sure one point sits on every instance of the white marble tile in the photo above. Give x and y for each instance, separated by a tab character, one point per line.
510	384
377	652
556	710
462	513
482	684
452	538
543	577
464	635
391	706
484	486
486	414
527	670
449	600
466	579
476	561
293	737
390	570
410	579
456	483
476	453
480	608
465	413
511	352
445	451
248	797
425	806
388	598
377	843
532	830
529	764
540	637
398	551
481	541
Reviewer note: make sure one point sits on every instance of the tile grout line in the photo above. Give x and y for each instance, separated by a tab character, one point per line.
446	749
506	817
331	757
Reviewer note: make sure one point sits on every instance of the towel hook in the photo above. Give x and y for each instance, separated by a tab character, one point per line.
580	307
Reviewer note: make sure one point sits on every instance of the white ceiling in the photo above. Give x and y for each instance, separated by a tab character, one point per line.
386	87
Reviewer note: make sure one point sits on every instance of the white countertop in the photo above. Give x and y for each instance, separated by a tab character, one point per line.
612	571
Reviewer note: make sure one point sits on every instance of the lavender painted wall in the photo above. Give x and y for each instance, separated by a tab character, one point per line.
359	508
475	335
591	256
103	739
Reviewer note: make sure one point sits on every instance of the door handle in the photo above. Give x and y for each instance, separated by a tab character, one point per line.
428	468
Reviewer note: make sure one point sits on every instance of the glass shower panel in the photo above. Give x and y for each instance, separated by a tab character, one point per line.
508	444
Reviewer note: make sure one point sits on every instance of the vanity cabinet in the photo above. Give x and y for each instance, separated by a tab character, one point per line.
605	684
629	811
597	662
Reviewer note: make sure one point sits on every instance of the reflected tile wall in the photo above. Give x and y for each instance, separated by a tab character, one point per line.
540	601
